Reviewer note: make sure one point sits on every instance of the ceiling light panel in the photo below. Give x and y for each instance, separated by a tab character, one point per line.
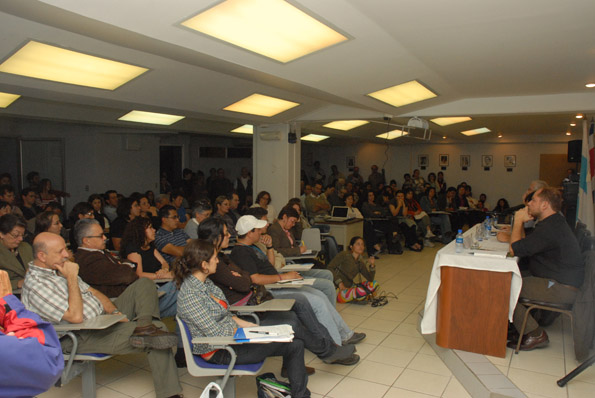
482	130
261	105
273	28
7	99
403	94
447	121
245	129
42	61
314	137
151	118
391	135
345	125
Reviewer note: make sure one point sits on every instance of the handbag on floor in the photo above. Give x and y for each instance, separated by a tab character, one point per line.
269	387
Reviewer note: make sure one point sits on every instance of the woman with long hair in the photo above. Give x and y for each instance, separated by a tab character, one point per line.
96	201
204	308
349	265
137	246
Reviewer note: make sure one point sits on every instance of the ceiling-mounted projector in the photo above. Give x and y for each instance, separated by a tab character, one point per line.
418	123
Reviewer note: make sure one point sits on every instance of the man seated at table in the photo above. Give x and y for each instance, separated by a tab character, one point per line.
54	290
31	355
554	257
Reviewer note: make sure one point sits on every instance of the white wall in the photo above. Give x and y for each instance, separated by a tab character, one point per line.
397	160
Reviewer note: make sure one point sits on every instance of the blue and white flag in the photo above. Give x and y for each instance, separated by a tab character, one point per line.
585	193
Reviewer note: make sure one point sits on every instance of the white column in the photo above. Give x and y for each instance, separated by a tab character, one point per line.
276	162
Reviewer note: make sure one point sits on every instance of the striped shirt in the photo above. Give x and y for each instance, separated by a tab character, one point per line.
177	237
46	293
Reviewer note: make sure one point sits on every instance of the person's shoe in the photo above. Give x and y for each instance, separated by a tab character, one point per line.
152	337
356	338
429	235
180	358
342	352
428	243
349	361
531	342
309	371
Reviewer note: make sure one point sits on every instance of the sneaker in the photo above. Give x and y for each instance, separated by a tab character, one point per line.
428	243
349	361
342	352
356	338
152	337
429	234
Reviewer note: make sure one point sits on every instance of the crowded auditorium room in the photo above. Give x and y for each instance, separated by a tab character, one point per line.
297	198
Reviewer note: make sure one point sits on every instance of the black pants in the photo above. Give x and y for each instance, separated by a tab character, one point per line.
293	359
306	327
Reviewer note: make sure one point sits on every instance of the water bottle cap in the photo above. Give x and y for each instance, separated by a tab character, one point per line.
460	231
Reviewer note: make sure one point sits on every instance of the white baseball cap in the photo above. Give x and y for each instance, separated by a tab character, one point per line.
247	223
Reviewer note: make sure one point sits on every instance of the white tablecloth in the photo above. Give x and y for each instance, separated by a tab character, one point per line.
447	256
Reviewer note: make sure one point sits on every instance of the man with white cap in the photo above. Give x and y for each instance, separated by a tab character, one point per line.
253	260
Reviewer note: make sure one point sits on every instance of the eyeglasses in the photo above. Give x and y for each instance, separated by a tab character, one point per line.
89	213
16	236
174	217
96	236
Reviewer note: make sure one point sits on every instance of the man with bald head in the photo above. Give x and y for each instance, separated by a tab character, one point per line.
53	289
554	259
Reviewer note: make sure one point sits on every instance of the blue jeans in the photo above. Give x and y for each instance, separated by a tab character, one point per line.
324	282
325	312
168	303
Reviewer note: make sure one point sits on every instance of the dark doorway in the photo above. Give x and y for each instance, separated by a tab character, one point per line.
170	164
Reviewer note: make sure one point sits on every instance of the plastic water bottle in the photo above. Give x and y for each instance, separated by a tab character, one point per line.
459	241
488	227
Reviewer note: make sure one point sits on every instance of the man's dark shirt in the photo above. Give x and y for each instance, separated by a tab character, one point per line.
553	252
252	260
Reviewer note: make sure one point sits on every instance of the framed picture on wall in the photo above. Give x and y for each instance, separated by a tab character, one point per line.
443	160
487	161
465	161
509	160
422	160
350	162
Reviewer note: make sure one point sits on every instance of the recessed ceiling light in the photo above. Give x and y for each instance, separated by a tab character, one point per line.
245	129
579	116
443	137
391	135
572	124
42	61
568	133
345	125
445	121
403	94
500	135
314	137
273	28
7	99
482	130
590	85
261	105
151	118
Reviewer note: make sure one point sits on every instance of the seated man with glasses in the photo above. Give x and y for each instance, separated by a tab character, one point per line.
170	239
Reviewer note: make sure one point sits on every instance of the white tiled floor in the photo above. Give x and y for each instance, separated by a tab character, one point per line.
395	360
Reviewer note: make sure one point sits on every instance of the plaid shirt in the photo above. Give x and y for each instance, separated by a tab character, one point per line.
46	293
204	316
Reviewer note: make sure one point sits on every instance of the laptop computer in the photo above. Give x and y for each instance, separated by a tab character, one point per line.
339	213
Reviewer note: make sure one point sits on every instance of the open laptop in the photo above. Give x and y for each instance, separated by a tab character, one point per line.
339	213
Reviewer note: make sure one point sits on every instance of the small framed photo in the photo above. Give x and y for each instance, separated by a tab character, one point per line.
509	161
487	161
465	161
350	162
422	160
443	160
